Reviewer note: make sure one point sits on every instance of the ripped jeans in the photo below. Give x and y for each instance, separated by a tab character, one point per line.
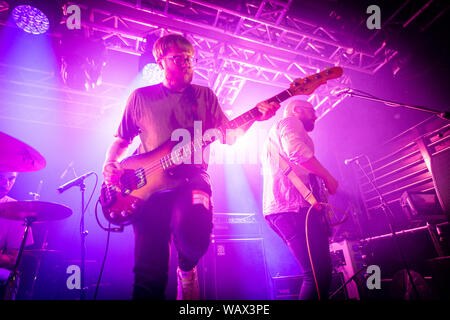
184	214
290	226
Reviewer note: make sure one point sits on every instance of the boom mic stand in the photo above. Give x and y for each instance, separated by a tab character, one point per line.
389	215
351	92
79	181
386	210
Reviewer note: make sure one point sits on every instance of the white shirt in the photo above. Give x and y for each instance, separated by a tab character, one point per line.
293	142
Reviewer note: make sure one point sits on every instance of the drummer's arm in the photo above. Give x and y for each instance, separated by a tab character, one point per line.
8	259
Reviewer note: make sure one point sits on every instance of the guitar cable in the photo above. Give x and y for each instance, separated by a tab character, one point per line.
103	262
307	241
120	229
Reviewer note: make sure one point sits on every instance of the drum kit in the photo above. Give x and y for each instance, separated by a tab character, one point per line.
16	156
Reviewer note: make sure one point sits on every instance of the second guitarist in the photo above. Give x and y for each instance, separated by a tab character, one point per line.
284	207
185	213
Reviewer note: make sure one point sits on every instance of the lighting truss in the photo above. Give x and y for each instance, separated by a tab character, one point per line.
260	43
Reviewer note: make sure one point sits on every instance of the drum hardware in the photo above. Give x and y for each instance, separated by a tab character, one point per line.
30	212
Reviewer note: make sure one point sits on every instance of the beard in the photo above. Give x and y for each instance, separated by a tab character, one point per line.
188	76
182	78
308	124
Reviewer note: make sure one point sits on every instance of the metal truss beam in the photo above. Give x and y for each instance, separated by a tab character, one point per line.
37	96
259	43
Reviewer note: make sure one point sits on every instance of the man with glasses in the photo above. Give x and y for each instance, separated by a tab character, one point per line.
184	213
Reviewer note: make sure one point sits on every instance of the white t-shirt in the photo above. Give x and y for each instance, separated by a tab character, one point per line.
11	235
293	142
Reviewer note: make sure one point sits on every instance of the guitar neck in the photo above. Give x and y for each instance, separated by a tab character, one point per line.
254	113
198	144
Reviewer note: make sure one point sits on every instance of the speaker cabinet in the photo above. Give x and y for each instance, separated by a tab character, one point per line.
235	269
288	287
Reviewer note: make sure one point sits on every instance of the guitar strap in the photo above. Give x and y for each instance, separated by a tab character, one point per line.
286	168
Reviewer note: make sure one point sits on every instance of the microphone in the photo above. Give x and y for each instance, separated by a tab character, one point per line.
74	182
340	91
348	161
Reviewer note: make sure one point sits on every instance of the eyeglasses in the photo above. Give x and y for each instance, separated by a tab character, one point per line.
182	59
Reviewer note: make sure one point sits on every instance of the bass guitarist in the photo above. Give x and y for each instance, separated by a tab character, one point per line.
184	213
285	209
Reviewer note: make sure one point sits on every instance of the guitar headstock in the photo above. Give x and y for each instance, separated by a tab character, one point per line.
310	83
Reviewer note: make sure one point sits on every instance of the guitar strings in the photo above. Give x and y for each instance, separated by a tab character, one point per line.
158	164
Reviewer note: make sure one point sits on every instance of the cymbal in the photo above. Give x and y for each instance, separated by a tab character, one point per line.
39	210
18	156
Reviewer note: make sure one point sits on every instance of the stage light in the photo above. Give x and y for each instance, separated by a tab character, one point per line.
30	19
150	70
152	73
36	17
82	61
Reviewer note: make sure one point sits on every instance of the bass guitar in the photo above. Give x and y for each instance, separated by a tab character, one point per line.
150	172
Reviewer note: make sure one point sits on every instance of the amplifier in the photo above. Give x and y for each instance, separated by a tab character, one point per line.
421	206
288	287
347	260
234	269
236	225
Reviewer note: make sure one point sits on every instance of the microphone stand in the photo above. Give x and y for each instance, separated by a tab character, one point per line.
389	215
440	114
83	234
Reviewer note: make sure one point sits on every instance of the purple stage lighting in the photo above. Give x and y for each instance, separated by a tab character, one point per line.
30	19
152	73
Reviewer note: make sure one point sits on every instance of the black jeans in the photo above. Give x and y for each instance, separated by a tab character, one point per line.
185	215
290	226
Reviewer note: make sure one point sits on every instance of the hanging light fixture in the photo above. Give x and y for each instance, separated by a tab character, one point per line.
151	72
36	16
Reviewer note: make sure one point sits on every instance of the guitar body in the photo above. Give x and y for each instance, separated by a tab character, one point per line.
10	289
318	188
143	176
320	191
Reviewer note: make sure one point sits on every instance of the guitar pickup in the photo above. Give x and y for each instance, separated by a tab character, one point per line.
132	180
141	178
107	195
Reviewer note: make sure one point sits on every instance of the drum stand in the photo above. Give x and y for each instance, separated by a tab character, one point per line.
12	282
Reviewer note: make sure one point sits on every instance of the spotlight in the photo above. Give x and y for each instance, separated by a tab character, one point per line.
82	63
151	72
36	17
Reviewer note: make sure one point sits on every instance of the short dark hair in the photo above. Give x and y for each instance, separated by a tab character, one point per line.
164	44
